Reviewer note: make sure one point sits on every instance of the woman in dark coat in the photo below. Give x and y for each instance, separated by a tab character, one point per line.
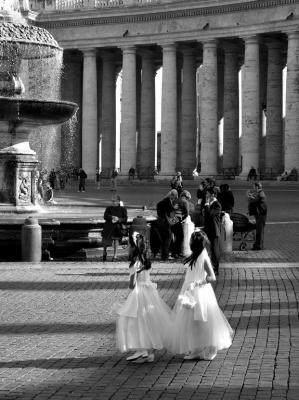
115	216
226	198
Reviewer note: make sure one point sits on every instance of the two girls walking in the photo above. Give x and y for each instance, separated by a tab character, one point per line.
196	328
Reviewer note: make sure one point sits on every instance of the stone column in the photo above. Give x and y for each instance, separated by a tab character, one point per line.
291	155
108	112
188	115
89	113
128	111
209	111
274	129
250	106
147	117
169	111
231	107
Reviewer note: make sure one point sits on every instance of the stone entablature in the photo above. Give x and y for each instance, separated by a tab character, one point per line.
155	24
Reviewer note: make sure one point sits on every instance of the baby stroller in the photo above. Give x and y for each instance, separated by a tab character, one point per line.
243	229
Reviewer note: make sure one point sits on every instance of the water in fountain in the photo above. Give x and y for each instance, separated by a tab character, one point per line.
29	100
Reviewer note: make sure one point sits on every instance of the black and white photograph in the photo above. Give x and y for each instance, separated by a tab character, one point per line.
149	199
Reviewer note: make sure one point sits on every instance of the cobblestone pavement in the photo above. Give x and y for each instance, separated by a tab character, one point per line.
57	327
58	323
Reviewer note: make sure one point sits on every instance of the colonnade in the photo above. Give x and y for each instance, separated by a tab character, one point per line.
199	102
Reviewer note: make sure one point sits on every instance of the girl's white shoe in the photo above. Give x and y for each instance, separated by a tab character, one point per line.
145	359
136	355
191	356
151	357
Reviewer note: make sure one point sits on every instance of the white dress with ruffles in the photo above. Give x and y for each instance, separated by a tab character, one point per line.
199	325
144	321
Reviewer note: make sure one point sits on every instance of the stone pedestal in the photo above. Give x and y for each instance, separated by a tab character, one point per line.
17	179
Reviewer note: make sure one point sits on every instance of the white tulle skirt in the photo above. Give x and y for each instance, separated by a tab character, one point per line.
199	325
144	321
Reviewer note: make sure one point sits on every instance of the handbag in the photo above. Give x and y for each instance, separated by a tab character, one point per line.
187	299
172	219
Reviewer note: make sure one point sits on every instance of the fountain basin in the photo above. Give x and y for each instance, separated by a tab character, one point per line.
18	118
20	113
63	236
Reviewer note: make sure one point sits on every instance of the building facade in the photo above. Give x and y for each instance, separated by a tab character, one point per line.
229	92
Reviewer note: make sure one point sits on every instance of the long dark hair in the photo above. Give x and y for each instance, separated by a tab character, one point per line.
198	242
139	251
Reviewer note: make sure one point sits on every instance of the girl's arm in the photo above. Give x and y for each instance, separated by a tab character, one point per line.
209	270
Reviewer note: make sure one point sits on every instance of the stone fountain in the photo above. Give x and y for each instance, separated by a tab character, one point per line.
22	44
26	104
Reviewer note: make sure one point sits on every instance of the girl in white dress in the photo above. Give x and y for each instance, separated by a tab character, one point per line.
144	321
200	328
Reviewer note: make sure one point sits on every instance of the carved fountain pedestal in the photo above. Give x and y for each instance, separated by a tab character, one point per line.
18	162
17	174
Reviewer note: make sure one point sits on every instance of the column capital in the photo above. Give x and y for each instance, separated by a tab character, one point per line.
210	42
89	52
130	49
253	39
292	34
170	47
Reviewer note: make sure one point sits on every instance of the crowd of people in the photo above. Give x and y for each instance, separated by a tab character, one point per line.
178	216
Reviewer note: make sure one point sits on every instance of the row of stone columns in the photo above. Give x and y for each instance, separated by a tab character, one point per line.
179	140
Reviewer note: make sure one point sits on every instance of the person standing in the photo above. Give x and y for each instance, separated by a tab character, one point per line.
131	174
98	178
257	207
52	178
226	198
212	225
114	175
115	216
166	212
177	182
82	177
252	174
200	328
187	223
